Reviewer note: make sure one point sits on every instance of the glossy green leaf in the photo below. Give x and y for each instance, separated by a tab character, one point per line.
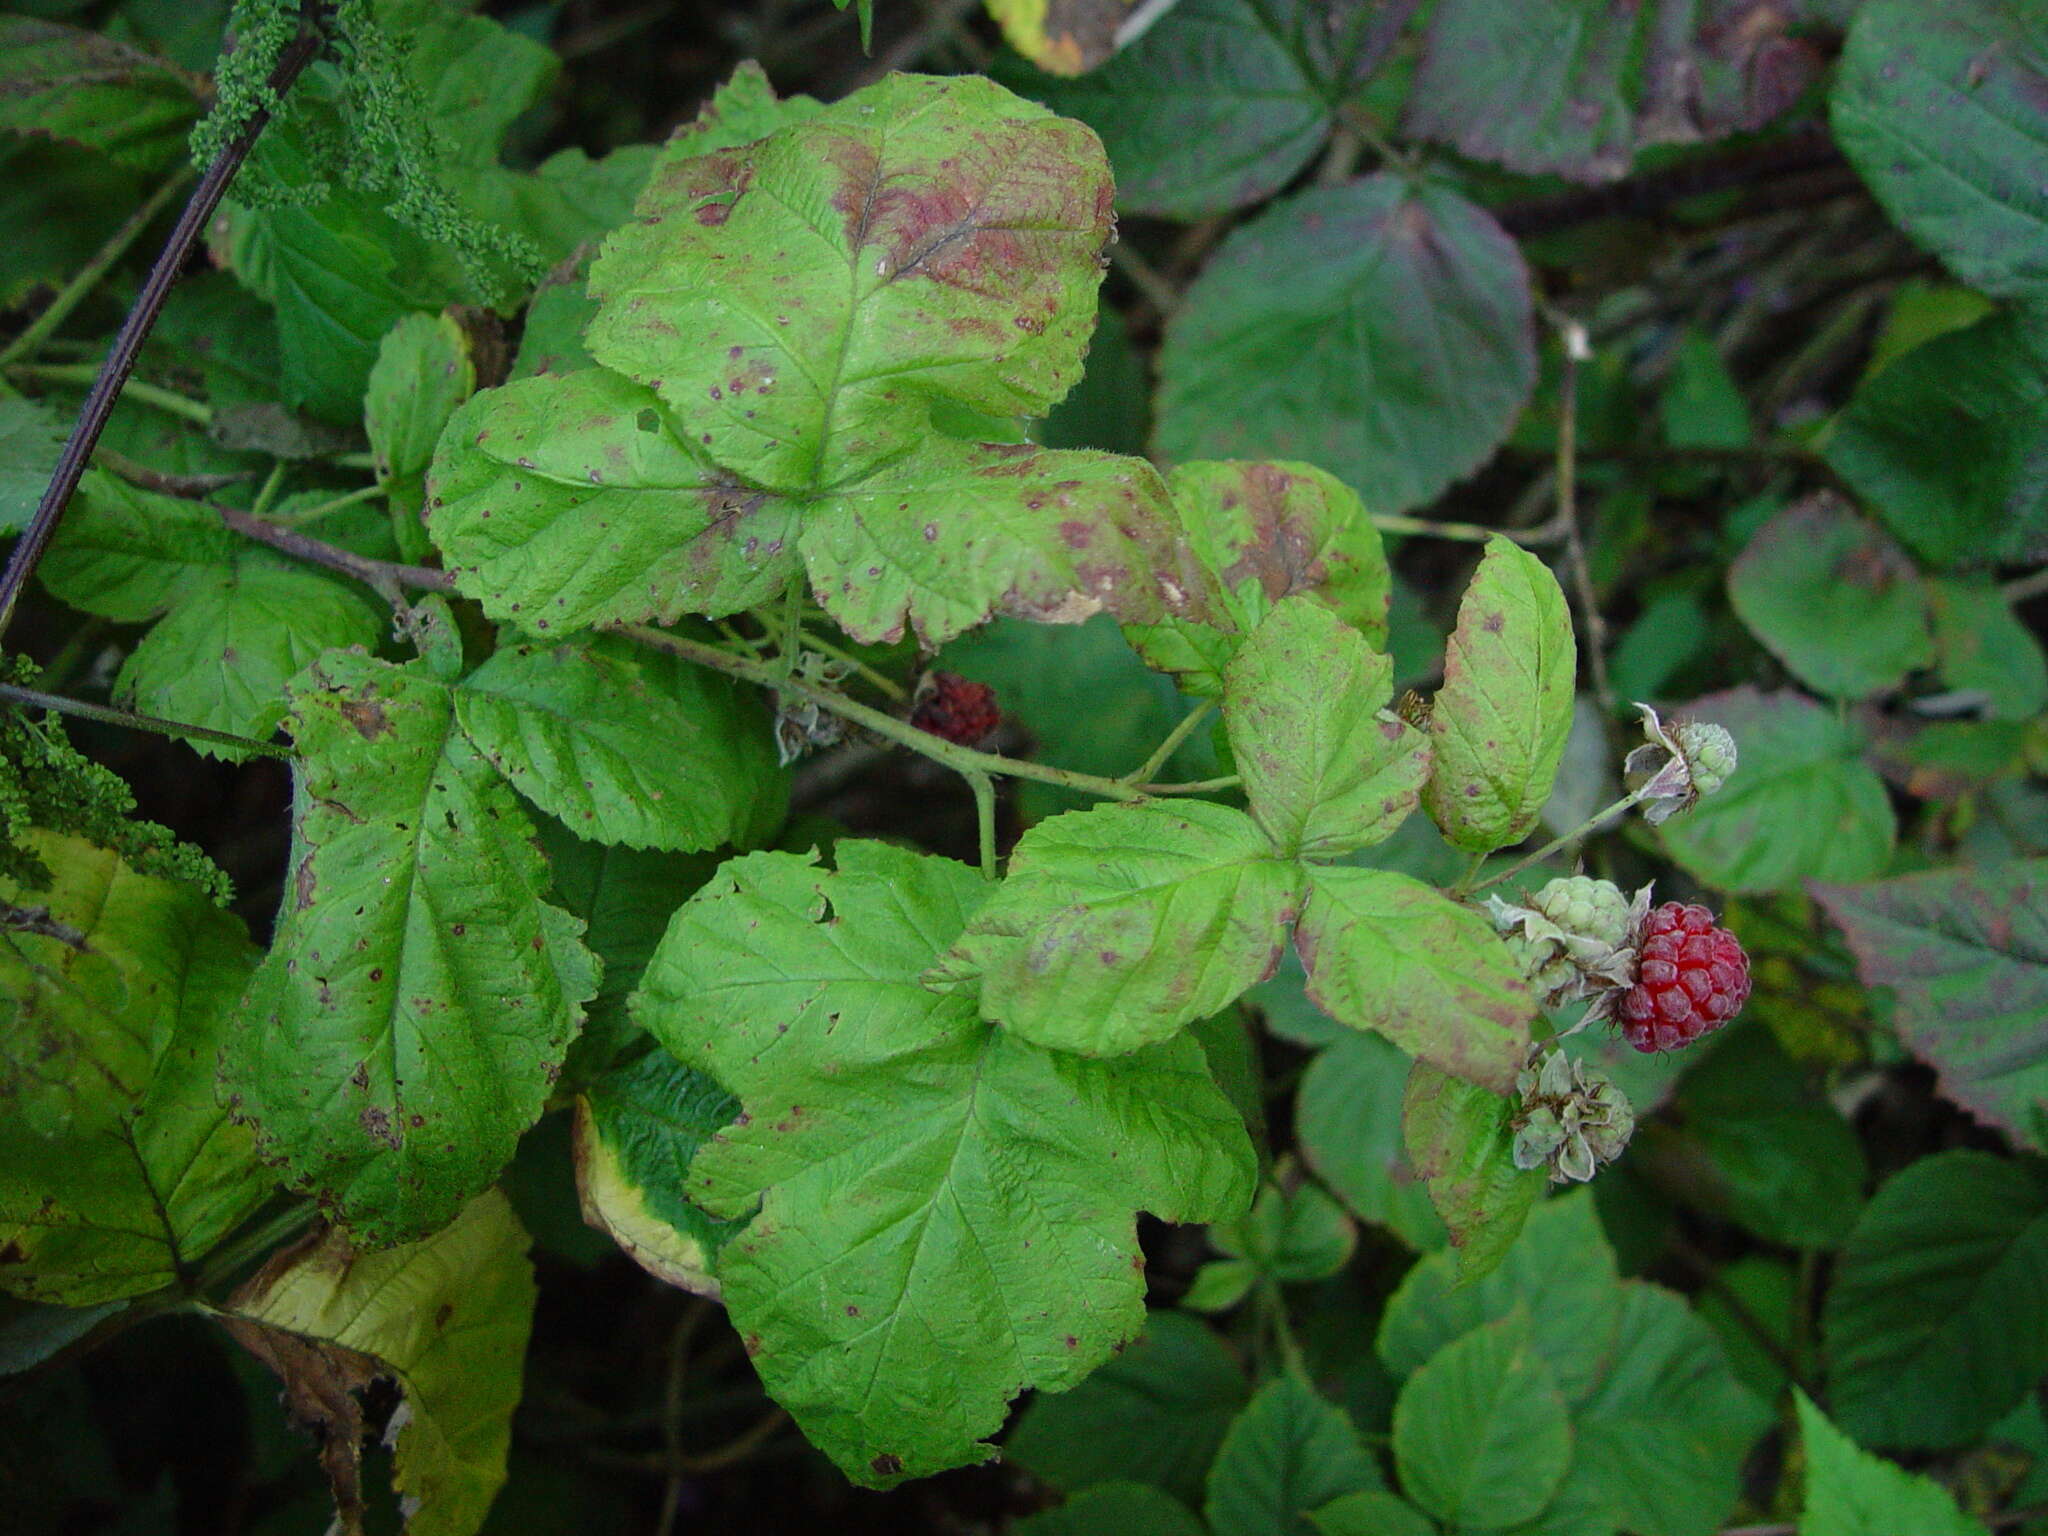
1939	109
1985	649
1946	444
1120	925
1396	354
1265	531
1560	1269
1157	1411
423	372
1802	804
1114	1509
1255	85
447	1318
1850	1492
1500	722
625	745
1965	952
66	83
117	1169
1834	599
416	1004
1347	1117
1458	1138
946	1210
1328	769
1937	1321
1386	953
1370	1514
31	437
957	262
637	1128
1288	1453
1481	1438
1576	87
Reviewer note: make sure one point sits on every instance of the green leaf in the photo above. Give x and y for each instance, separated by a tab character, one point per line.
1500	722
1850	1492
1702	406
946	1210
63	83
1946	444
1937	1322
1939	110
130	554
637	1128
1066	39
1114	1509
1157	1411
1347	1118
32	1332
1370	1514
1288	1453
416	1004
31	438
1263	532
1386	953
1560	1269
1965	952
1458	1136
224	653
1660	1443
1762	1146
1985	649
1576	87
1326	767
1120	925
1397	354
1834	599
423	372
625	745
1481	1438
1751	1304
740	111
1801	804
446	1318
117	1169
1242	80
1294	1236
958	262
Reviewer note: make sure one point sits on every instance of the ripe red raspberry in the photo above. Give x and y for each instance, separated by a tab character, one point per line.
955	710
1690	980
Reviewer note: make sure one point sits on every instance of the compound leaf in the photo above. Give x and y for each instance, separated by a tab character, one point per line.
1850	1492
416	1004
945	1210
1120	925
1288	1453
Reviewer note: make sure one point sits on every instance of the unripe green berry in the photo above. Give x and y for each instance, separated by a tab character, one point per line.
1709	751
1588	908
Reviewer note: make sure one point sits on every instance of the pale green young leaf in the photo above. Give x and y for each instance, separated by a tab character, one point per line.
1326	767
922	239
420	994
946	1210
1264	531
224	653
423	372
66	83
1157	1411
1560	1269
627	746
1289	1452
1458	1138
1501	719
1386	953
562	502
1481	1437
129	554
117	1169
637	1128
1298	1236
1850	1492
1120	925
1937	1322
447	1318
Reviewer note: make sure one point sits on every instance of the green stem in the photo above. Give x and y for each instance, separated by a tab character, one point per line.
985	821
196	411
880	681
962	760
31	698
791	626
1468	533
266	493
88	278
315	513
1179	734
1274	1307
1619	807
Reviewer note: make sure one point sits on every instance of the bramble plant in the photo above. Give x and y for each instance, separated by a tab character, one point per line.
577	532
